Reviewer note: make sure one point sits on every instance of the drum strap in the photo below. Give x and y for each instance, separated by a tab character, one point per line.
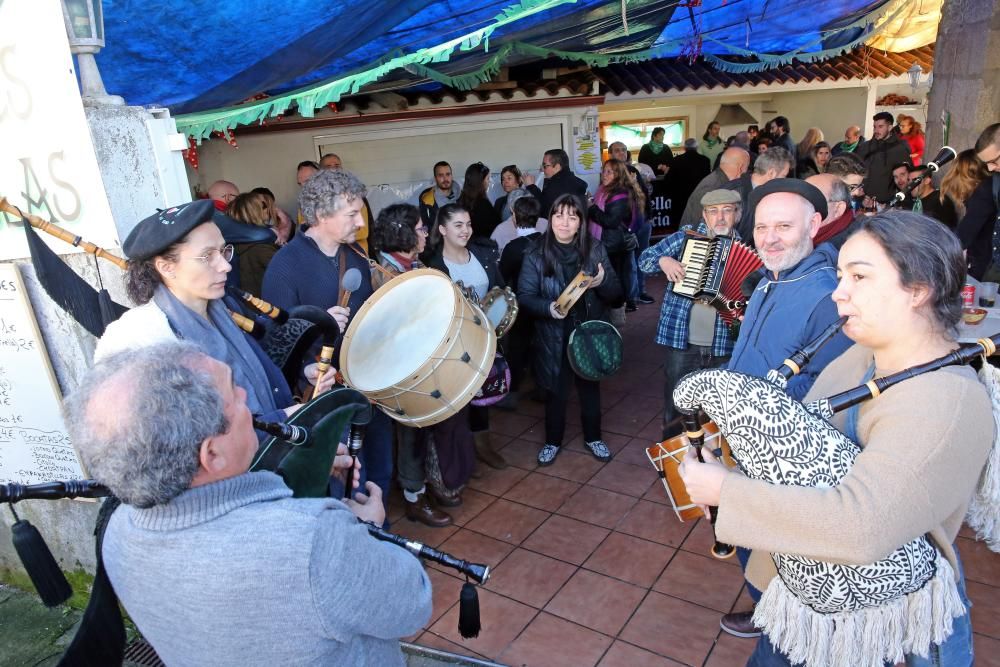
371	262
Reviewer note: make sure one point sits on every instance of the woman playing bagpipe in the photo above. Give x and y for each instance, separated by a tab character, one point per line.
923	446
177	277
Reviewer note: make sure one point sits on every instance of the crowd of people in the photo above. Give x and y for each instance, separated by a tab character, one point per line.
819	218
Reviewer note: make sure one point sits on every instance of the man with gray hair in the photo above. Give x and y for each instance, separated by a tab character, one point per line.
839	222
774	163
217	565
308	272
694	335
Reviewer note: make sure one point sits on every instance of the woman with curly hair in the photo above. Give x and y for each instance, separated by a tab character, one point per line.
913	133
510	180
399	236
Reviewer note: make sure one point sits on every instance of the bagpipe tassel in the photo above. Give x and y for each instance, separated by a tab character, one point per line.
468	611
41	566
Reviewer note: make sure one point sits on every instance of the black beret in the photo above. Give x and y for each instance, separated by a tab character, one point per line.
807	191
166	227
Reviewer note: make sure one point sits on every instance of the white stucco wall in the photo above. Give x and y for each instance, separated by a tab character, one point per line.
269	159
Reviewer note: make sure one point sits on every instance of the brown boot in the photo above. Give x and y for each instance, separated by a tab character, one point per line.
485	451
425	513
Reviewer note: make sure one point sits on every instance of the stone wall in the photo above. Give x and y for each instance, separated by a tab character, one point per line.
966	72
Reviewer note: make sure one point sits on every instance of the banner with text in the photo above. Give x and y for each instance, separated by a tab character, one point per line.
47	162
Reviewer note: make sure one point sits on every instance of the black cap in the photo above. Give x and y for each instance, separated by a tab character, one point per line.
166	227
807	191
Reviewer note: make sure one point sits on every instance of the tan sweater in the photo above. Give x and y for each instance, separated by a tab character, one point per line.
924	441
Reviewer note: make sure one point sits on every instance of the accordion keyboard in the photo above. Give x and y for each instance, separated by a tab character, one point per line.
695	258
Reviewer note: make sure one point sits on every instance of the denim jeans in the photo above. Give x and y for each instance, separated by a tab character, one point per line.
676	365
637	284
956	651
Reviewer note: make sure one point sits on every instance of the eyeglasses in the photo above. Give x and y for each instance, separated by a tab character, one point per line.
421	230
853	188
226	252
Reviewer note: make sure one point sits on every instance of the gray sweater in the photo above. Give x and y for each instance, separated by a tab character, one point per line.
240	573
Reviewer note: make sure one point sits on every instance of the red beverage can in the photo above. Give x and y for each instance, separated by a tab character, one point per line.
968	296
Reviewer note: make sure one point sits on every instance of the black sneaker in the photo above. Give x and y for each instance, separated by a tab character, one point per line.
646	299
740	624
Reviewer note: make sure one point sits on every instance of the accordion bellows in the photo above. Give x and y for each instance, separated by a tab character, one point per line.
820	613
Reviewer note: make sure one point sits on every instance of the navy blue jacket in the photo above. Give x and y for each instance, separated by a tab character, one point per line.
785	314
300	274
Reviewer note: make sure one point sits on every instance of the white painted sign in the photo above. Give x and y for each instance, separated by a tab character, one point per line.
34	446
47	162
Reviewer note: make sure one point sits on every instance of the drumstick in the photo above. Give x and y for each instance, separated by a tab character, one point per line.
351	282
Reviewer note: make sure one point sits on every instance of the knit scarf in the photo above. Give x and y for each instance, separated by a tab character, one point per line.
222	340
849	148
656	147
404	262
828	231
712	143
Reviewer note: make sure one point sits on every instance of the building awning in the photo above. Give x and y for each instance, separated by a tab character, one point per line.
676	74
224	63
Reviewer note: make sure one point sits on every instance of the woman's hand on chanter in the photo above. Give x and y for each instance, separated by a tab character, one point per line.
703	480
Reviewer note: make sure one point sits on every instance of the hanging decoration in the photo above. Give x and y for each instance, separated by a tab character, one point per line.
191	153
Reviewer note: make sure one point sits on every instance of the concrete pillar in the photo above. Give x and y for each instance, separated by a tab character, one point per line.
966	73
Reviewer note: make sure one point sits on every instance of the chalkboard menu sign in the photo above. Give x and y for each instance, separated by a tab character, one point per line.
34	446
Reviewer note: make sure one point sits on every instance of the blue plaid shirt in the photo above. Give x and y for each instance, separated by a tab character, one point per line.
675	313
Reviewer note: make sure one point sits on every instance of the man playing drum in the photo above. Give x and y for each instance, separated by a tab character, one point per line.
220	566
309	270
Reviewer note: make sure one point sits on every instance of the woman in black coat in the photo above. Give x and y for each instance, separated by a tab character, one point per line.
564	250
475	262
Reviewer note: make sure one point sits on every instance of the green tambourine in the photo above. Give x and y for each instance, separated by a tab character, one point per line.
595	350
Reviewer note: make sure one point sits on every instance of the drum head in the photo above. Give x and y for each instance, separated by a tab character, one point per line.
398	329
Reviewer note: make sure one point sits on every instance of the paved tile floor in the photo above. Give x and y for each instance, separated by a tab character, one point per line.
590	565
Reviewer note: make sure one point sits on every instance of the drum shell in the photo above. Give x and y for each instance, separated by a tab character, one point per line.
451	375
666	457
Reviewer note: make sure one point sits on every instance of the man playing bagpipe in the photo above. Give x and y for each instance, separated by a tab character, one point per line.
218	565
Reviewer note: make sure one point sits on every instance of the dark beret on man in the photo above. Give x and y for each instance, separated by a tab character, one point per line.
807	191
153	235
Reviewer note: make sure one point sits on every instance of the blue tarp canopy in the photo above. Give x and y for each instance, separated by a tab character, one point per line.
208	59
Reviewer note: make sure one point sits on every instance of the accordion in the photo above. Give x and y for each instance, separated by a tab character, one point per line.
714	270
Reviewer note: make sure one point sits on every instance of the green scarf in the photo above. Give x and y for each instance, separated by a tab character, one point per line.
712	143
655	146
849	148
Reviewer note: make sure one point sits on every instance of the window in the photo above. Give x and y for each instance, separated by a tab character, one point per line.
636	133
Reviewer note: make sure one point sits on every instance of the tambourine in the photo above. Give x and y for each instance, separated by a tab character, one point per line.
500	306
574	290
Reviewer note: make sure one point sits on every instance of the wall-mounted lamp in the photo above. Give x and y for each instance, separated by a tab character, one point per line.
915	72
85	29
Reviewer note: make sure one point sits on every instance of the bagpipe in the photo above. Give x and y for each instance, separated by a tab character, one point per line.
301	450
817	612
944	156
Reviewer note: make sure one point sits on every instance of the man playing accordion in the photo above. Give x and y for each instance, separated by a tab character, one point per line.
692	332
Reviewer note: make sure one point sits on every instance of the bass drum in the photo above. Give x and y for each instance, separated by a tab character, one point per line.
418	348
